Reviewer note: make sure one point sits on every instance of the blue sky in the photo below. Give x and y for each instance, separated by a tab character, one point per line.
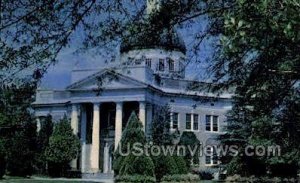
58	76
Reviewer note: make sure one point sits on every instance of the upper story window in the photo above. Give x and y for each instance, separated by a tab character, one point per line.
138	61
192	122
171	64
196	122
148	62
174	120
181	67
212	123
188	121
161	65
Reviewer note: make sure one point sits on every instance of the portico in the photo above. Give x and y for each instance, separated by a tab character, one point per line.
101	125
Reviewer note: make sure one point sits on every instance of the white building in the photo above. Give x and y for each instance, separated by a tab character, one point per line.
150	73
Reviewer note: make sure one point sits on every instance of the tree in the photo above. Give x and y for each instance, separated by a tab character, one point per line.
131	164
21	151
2	160
259	59
17	129
34	33
161	135
42	143
63	147
160	128
190	139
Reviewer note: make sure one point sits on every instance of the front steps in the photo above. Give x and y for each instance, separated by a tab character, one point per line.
102	177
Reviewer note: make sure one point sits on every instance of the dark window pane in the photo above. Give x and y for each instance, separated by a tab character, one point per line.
171	65
215	123
148	62
196	121
188	121
175	120
161	65
208	123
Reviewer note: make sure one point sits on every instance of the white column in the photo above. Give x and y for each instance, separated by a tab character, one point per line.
118	123
142	114
38	124
95	139
74	126
106	158
74	119
83	140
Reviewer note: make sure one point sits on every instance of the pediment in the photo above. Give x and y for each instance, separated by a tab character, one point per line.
106	79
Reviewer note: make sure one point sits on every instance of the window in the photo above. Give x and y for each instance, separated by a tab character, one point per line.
138	61
181	67
208	156
196	124
215	124
174	120
148	62
207	123
188	121
171	64
211	157
212	123
130	59
161	65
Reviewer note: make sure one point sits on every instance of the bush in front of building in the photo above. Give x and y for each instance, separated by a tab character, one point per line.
181	165
21	149
190	139
206	174
162	136
42	143
164	165
137	165
135	179
2	159
63	147
131	165
193	178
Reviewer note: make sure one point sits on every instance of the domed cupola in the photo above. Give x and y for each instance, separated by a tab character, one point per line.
144	35
154	42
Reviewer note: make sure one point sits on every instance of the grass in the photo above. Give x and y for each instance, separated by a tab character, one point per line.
22	180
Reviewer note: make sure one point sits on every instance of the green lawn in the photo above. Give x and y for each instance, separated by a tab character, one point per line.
37	181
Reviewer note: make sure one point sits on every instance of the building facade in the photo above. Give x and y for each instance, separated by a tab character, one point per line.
149	74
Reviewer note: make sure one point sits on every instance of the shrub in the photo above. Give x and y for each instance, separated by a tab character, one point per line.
164	165
2	158
181	165
137	165
42	143
130	164
63	147
206	175
181	178
21	150
2	167
190	139
135	179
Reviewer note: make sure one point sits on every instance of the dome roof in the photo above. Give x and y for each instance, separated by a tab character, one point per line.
147	36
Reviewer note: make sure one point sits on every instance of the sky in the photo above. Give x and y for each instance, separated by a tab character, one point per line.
58	76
